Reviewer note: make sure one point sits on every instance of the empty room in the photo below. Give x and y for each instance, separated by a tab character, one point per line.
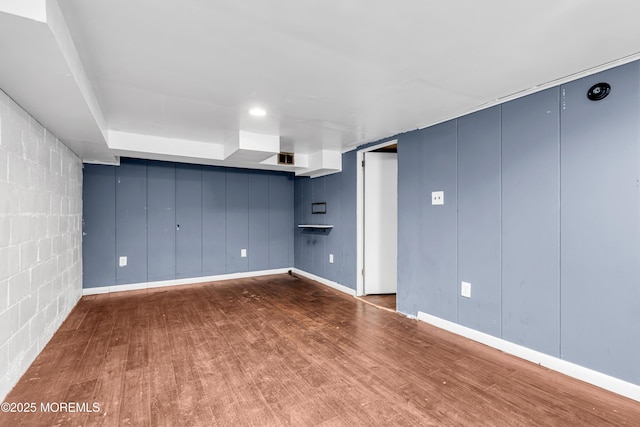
319	213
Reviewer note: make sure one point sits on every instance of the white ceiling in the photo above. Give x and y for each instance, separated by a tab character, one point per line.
175	80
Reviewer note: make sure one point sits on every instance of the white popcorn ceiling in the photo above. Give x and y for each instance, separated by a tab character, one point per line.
330	74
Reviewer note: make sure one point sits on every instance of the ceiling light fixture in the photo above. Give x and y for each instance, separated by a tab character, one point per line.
258	112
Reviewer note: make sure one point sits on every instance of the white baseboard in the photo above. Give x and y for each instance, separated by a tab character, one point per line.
587	375
325	282
178	282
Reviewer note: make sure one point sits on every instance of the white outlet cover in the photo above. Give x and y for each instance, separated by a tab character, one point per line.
465	289
122	262
437	197
331	258
243	253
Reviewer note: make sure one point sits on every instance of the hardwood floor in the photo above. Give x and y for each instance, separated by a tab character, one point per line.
280	350
385	301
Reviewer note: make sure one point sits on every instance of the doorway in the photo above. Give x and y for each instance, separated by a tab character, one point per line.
377	224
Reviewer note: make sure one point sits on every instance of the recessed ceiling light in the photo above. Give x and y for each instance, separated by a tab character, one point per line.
257	111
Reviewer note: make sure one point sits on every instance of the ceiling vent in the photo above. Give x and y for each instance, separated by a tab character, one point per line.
285	158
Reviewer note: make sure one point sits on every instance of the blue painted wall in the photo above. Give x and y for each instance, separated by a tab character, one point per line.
312	249
99	203
181	221
600	224
422	166
479	219
131	222
530	232
161	220
541	215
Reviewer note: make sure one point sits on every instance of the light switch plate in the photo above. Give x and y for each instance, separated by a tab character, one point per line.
465	289
330	258
243	253
437	197
122	262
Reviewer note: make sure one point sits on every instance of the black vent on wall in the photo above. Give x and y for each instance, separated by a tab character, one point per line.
285	158
599	91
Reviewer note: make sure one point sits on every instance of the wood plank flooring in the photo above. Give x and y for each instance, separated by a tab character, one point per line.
281	350
387	301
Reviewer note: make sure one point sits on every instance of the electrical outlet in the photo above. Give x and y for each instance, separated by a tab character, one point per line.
330	258
437	197
122	262
243	253
465	289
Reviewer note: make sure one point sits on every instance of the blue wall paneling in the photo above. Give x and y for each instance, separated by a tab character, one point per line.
134	209
131	221
479	220
188	221
161	221
307	238
99	226
600	151
319	260
298	218
346	231
280	228
214	221
531	221
258	221
411	293
312	248
332	241
438	242
237	220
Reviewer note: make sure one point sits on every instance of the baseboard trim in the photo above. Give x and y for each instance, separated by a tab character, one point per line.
325	282
180	282
581	373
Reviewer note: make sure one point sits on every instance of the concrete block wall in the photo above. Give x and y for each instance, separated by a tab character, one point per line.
40	238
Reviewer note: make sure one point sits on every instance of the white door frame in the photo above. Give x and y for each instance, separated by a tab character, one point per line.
360	213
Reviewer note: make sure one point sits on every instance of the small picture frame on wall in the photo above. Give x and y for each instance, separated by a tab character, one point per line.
319	208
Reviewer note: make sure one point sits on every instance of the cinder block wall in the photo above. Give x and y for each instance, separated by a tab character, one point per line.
40	238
